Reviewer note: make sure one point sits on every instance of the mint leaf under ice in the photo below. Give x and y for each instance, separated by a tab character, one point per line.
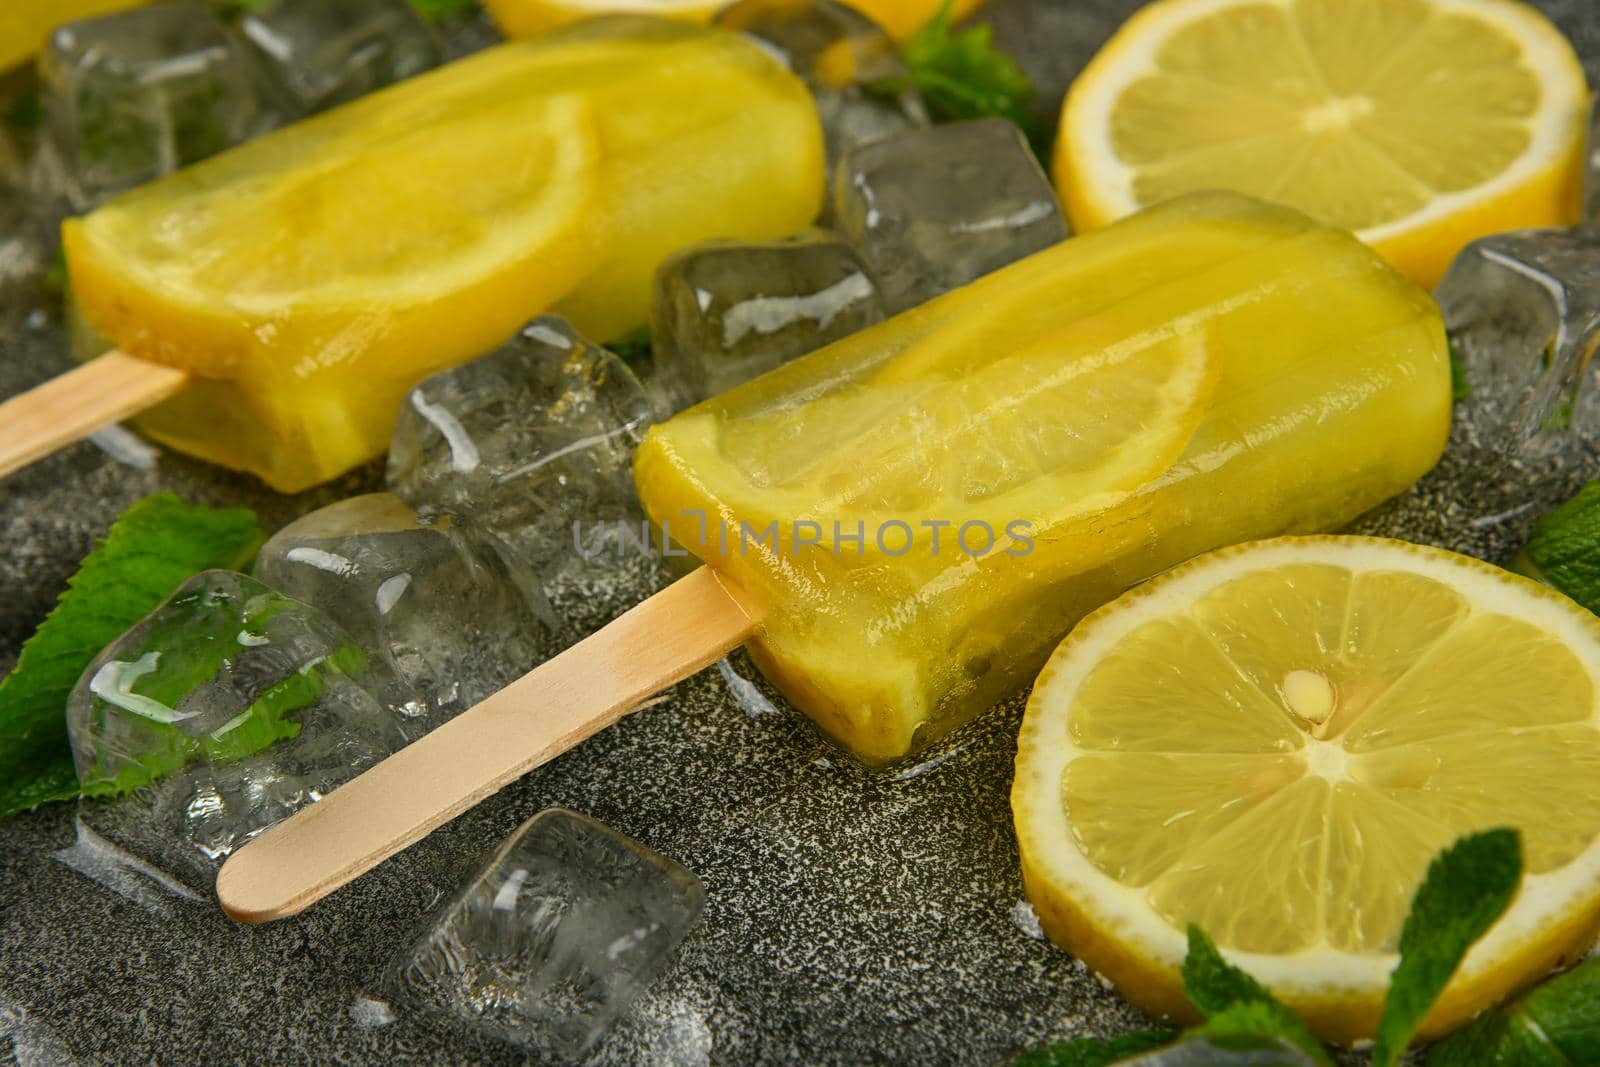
155	546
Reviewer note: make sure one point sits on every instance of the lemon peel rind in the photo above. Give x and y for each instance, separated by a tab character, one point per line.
1554	918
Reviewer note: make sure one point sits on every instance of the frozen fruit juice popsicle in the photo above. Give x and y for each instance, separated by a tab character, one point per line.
310	277
1206	372
1211	371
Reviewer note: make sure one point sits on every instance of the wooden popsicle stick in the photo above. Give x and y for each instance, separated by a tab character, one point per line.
74	405
685	627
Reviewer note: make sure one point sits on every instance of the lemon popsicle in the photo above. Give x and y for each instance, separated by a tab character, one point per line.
308	278
999	461
919	512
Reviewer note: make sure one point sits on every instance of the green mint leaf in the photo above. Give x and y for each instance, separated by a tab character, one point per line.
210	638
1566	1011
155	546
631	347
25	112
444	10
1460	387
1218	988
55	280
961	74
1556	1025
1495	1040
1096	1051
230	9
1467	888
1564	548
1558	419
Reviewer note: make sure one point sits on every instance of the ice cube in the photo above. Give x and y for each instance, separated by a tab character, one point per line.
23	258
229	708
726	312
521	444
1523	313
1237	1050
933	209
327	53
861	87
439	618
553	940
131	96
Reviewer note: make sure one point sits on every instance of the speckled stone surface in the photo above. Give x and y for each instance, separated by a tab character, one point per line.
851	917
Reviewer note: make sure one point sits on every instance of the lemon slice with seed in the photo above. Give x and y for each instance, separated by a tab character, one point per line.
1274	740
1420	124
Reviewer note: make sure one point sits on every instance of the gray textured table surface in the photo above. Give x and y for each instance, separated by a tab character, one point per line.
850	918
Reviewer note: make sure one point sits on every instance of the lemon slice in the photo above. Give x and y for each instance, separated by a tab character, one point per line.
1272	742
502	196
1419	124
901	18
524	18
1087	424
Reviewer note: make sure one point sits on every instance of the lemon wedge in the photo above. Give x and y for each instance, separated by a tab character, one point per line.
1419	124
1272	742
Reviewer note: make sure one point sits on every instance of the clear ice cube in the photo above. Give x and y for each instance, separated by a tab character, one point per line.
861	87
227	708
23	258
1240	1050
726	312
1523	313
440	620
327	53
523	443
132	96
933	209
554	939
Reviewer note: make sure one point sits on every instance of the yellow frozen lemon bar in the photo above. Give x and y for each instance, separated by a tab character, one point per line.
312	276
920	511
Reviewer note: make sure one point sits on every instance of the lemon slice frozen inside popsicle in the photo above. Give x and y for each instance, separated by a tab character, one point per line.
500	199
1085	425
